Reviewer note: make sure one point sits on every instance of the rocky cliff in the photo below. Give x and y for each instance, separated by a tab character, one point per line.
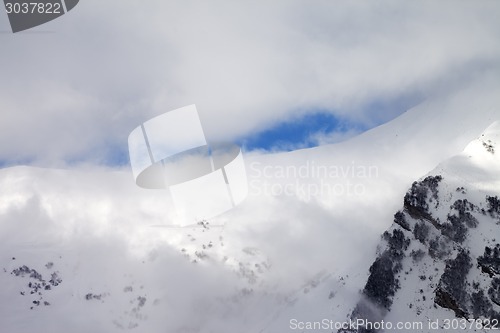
439	262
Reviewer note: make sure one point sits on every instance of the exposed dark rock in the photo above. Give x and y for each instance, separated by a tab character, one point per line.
493	206
445	300
25	270
141	300
417	255
91	296
382	282
494	291
421	231
489	147
464	209
438	248
400	219
480	304
441	239
420	192
489	262
455	229
416	201
457	225
397	242
55	280
451	291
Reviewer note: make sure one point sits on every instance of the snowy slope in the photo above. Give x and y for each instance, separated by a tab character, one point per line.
300	254
439	262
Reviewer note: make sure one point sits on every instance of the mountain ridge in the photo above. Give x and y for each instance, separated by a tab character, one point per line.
445	239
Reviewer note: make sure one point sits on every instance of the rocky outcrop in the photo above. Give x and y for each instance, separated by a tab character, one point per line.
433	237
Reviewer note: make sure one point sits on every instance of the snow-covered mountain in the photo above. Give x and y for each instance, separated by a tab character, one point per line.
439	263
85	250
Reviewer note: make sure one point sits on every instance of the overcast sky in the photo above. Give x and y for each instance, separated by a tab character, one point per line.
73	89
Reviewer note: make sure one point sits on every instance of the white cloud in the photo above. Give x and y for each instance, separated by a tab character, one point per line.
78	92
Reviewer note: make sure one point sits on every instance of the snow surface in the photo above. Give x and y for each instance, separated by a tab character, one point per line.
471	175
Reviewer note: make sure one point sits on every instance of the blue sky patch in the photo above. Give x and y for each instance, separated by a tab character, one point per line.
299	132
